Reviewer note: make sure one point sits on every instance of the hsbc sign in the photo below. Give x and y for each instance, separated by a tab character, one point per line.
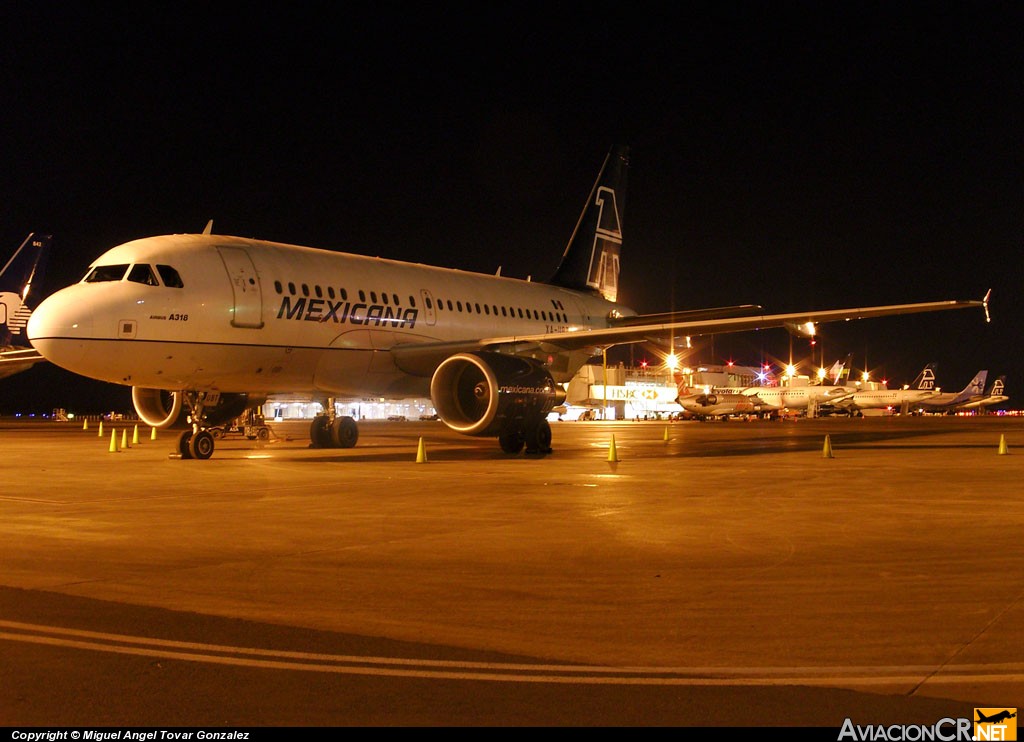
636	394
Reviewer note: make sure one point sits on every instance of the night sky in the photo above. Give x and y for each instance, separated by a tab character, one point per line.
793	155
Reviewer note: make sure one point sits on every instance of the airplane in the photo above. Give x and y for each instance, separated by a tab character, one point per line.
778	398
710	404
995	395
24	269
215	324
951	401
995	718
922	388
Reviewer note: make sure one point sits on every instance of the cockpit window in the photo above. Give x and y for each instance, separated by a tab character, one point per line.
170	277
106	273
142	273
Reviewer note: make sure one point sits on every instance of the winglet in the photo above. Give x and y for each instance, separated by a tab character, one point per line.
209	227
984	303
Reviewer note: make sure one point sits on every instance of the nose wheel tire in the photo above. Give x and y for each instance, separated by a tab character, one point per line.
201	446
198	445
183	441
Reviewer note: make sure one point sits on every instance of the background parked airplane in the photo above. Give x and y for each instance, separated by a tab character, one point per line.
996	394
721	405
783	398
951	401
217	323
19	281
902	400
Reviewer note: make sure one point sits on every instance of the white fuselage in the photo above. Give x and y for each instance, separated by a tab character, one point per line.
884	398
799	397
261	317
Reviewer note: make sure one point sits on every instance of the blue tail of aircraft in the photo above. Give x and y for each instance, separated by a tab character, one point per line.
19	279
974	389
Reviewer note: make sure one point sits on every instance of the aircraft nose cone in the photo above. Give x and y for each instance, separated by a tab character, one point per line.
57	329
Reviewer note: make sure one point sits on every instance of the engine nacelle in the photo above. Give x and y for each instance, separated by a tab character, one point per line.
488	393
156	407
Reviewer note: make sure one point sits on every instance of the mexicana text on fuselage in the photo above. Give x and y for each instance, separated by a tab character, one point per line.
341	312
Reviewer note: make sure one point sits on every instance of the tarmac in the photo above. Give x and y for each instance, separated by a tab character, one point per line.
753	574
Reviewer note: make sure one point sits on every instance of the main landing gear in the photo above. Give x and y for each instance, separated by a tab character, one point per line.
535	437
332	431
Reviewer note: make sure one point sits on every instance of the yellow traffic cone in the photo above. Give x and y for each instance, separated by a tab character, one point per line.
100	434
1002	446
124	438
135	436
152	434
85	424
826	451
665	437
613	455
113	441
421	453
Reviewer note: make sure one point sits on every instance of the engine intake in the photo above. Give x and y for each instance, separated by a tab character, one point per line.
486	393
156	407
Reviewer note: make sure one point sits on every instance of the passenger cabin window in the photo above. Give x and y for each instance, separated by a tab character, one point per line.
106	273
170	277
142	273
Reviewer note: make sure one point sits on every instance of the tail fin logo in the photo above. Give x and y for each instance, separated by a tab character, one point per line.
997	387
927	380
13	312
603	274
590	262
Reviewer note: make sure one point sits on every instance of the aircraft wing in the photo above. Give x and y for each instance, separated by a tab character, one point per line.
14	360
422	358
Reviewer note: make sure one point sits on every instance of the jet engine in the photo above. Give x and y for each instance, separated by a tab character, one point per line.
160	409
487	394
156	407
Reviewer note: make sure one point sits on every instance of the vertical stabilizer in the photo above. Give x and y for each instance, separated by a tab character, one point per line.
975	389
925	380
18	276
840	370
591	260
